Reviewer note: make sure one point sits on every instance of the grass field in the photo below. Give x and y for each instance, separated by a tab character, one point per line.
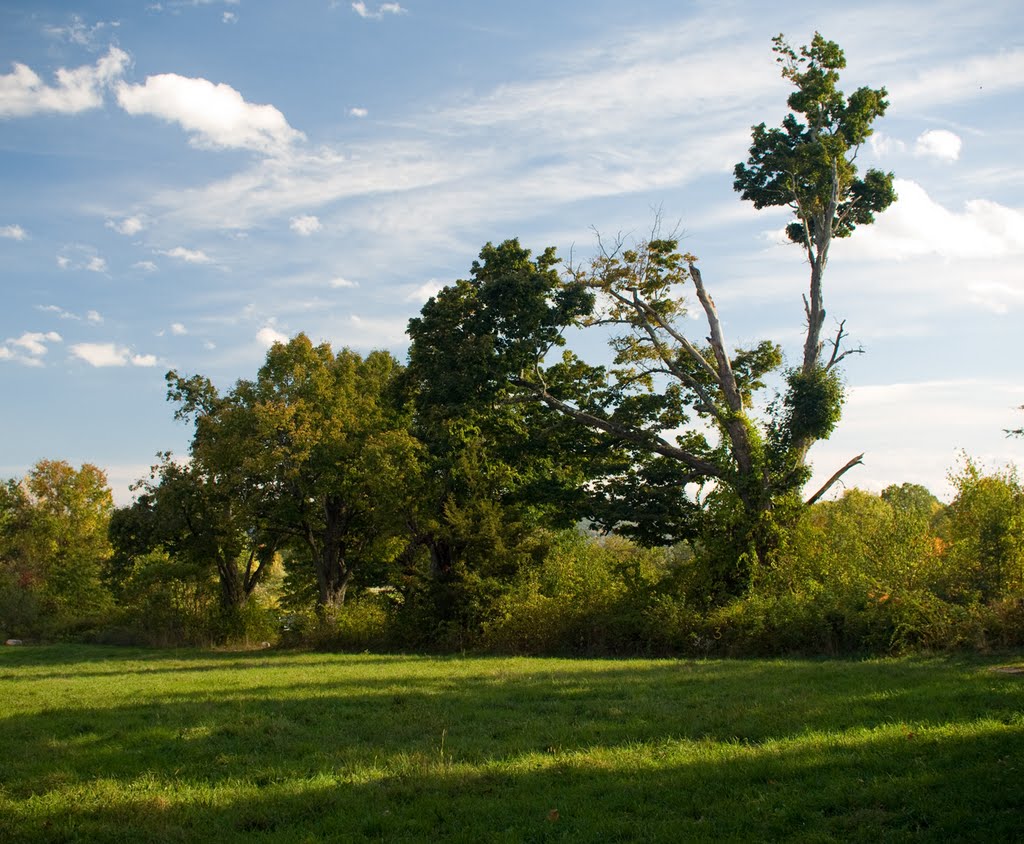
103	744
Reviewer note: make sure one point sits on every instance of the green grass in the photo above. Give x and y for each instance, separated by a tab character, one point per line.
103	744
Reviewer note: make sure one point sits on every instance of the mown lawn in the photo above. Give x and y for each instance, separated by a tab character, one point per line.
104	744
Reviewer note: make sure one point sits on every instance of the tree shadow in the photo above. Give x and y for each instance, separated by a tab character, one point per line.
425	748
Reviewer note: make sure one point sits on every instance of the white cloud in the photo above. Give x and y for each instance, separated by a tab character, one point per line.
178	329
938	143
23	92
342	282
268	335
145	266
361	9
301	180
917	225
305	225
127	226
355	111
425	290
58	311
109	354
81	257
229	17
90	316
14	232
973	411
883	145
216	115
34	342
101	354
29	348
370	332
189	256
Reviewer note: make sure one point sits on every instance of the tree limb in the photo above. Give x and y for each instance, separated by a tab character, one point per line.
637	437
855	461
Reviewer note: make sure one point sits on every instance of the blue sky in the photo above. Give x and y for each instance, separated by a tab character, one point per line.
181	183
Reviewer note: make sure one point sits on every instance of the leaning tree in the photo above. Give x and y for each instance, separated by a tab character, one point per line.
683	453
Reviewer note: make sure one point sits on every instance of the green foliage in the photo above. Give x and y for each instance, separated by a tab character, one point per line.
497	324
362	624
192	515
166	602
808	166
588	596
300	453
53	550
812	405
985	531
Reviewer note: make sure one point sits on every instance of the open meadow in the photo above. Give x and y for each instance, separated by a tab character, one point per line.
106	744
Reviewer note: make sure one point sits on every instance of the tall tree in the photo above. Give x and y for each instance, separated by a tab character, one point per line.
504	322
194	517
294	446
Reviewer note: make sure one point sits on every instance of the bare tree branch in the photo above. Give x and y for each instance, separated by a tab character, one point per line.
855	461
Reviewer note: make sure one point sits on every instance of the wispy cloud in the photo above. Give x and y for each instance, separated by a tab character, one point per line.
58	311
127	225
342	282
383	9
23	92
305	225
942	81
61	313
81	257
14	232
368	332
79	32
356	111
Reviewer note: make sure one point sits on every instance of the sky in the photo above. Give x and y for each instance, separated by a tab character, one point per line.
184	182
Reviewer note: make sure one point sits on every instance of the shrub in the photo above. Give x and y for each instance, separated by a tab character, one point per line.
589	596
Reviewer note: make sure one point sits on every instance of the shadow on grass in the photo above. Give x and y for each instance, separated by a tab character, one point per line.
879	788
390	748
93	661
